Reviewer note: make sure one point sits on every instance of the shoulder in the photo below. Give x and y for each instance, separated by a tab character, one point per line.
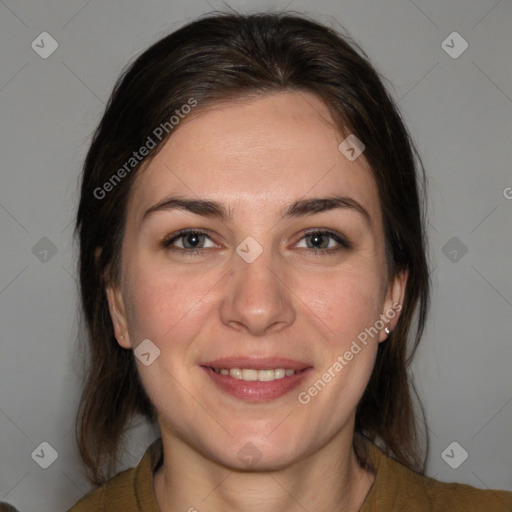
397	487
437	496
128	491
119	488
461	497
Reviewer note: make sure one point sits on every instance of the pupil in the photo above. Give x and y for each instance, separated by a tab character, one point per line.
194	237
316	238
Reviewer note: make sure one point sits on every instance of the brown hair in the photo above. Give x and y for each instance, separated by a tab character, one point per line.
224	57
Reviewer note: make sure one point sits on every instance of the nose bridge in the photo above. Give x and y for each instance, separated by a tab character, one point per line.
256	298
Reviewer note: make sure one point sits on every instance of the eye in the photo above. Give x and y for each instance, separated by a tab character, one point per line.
320	242
192	241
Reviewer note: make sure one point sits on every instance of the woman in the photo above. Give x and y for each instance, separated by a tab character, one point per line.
252	253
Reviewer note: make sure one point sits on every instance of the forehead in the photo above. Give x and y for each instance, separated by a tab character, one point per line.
259	153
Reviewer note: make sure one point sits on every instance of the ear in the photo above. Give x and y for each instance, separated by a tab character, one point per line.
116	307
118	315
393	303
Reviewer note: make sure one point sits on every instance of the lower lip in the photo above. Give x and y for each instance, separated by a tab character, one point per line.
256	391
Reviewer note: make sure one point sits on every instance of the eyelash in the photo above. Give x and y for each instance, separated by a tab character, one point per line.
343	242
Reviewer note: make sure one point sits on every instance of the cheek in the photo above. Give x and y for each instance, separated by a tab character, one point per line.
349	308
165	306
347	301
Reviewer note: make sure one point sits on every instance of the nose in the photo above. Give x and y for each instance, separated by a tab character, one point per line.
257	299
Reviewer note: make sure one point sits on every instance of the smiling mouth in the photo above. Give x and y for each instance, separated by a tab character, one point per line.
256	385
256	379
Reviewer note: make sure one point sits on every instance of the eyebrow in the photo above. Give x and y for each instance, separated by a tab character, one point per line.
300	208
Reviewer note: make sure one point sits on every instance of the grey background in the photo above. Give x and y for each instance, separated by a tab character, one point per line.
459	112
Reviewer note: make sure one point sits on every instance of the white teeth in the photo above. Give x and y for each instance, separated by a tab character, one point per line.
236	373
279	373
250	374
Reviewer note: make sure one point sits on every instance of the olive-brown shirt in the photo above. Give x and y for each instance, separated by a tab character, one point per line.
396	488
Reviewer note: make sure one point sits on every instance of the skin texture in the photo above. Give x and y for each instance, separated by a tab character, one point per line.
256	157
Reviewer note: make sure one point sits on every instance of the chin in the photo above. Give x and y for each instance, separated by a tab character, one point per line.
253	453
250	458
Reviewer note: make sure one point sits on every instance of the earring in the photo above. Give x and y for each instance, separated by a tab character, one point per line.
387	331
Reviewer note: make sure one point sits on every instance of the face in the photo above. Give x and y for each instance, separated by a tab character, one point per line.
266	278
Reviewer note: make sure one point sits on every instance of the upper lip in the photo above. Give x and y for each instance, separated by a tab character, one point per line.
257	363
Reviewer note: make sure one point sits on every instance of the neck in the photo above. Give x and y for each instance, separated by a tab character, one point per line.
329	479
